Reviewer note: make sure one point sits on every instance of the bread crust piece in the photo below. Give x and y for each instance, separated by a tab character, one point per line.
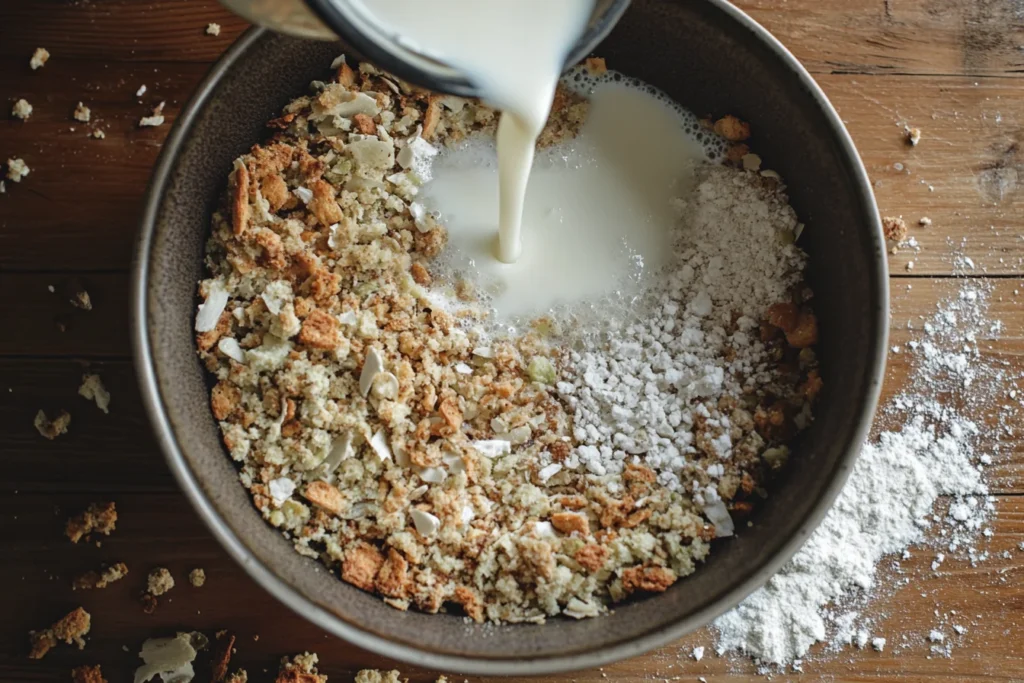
100	518
650	579
361	564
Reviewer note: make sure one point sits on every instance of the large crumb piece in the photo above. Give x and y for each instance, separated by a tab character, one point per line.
21	109
895	229
51	429
300	669
155	119
647	579
213	29
92	388
197	577
71	629
82	113
100	579
913	136
159	581
377	676
732	128
170	658
39	58
98	517
17	169
89	673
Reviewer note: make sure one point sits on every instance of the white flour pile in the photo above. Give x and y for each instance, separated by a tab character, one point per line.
890	500
644	382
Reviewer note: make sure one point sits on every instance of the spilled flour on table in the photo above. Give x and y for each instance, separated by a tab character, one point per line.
892	499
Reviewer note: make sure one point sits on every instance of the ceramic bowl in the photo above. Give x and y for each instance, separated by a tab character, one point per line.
712	59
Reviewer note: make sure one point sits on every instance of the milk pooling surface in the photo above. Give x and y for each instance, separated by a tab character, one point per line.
597	214
513	51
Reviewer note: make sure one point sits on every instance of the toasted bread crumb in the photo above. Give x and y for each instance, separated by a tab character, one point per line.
300	669
100	579
39	58
82	113
895	228
98	517
21	109
17	169
71	629
197	577
92	388
647	579
89	673
361	564
378	676
155	119
732	128
51	429
159	581
592	557
569	522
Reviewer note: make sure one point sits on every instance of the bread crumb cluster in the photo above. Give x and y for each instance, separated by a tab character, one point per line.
374	425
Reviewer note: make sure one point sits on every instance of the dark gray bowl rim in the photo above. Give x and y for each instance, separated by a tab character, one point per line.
153	401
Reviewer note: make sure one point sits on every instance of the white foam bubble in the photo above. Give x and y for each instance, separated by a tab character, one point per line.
582	81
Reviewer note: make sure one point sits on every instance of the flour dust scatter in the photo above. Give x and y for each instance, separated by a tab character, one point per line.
892	501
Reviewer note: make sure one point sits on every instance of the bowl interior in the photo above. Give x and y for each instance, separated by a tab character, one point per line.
710	61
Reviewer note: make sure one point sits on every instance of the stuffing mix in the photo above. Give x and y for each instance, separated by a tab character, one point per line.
509	478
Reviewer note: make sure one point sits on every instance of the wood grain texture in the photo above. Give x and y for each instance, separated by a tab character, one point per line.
160	530
950	67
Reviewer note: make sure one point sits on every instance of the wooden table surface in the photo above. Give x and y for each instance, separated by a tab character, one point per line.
954	68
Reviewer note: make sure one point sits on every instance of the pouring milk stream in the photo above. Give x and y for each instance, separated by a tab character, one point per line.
513	50
596	210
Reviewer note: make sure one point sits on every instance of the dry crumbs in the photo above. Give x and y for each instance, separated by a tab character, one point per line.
51	429
894	228
21	109
71	628
300	669
159	581
213	29
154	119
197	577
503	477
100	518
88	673
92	389
93	579
39	58
378	676
82	113
16	170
